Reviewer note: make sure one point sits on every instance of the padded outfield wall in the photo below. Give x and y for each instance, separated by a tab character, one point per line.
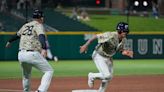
66	45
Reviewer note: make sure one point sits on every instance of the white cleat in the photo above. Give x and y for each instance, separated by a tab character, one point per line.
90	80
55	58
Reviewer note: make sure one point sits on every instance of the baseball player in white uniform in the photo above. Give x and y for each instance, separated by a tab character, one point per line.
108	44
32	52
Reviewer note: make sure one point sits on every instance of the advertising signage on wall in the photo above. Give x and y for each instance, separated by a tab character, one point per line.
143	46
146	46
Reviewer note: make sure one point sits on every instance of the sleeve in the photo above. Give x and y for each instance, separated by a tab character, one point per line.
47	44
103	37
122	45
42	39
39	29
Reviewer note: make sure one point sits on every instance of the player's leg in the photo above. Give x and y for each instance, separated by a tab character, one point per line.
42	65
103	86
105	82
102	65
26	70
24	59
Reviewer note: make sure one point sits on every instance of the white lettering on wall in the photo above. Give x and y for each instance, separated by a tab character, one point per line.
129	44
142	46
157	46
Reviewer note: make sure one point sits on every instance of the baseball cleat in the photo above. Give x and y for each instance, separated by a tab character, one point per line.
55	58
90	80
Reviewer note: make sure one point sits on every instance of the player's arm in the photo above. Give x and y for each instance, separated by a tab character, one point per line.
84	47
125	51
42	39
12	39
128	53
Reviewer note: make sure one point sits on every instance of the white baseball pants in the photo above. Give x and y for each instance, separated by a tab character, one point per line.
105	67
29	59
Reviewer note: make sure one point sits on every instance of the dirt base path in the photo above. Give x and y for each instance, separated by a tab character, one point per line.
67	84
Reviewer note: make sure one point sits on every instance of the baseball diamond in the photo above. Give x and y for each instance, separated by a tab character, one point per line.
139	83
82	45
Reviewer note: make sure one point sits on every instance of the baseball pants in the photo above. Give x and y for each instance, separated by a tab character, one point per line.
29	59
105	67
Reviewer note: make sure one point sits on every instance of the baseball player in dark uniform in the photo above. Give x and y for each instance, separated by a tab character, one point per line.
108	44
32	52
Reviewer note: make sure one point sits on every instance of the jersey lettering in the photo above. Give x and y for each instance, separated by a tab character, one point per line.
28	30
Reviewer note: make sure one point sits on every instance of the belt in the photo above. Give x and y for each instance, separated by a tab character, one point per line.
103	54
27	50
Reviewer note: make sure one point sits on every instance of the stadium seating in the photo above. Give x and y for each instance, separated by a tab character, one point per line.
10	22
54	19
63	23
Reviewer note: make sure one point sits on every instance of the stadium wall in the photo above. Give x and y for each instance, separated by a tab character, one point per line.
66	45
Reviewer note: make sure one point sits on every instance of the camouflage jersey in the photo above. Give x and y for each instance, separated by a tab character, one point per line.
108	44
29	34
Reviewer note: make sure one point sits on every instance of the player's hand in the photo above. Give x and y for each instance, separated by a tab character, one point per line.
83	49
8	44
44	53
128	53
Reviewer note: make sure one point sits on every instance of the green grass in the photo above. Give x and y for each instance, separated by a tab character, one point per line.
137	24
82	67
139	67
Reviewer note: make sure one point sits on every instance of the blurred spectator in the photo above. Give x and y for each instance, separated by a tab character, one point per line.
74	13
84	15
59	6
3	5
21	4
37	4
155	10
2	27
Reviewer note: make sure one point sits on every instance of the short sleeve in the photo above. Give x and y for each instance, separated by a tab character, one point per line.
103	37
122	45
39	29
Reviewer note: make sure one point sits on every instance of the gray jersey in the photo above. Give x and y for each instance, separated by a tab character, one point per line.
108	44
29	36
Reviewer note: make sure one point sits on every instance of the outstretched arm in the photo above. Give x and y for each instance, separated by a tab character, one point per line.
128	53
12	39
84	47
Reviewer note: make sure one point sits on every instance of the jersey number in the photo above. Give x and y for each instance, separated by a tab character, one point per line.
28	30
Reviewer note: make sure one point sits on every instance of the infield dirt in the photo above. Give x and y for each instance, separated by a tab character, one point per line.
153	83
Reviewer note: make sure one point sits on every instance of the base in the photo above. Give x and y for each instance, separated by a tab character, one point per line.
85	90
